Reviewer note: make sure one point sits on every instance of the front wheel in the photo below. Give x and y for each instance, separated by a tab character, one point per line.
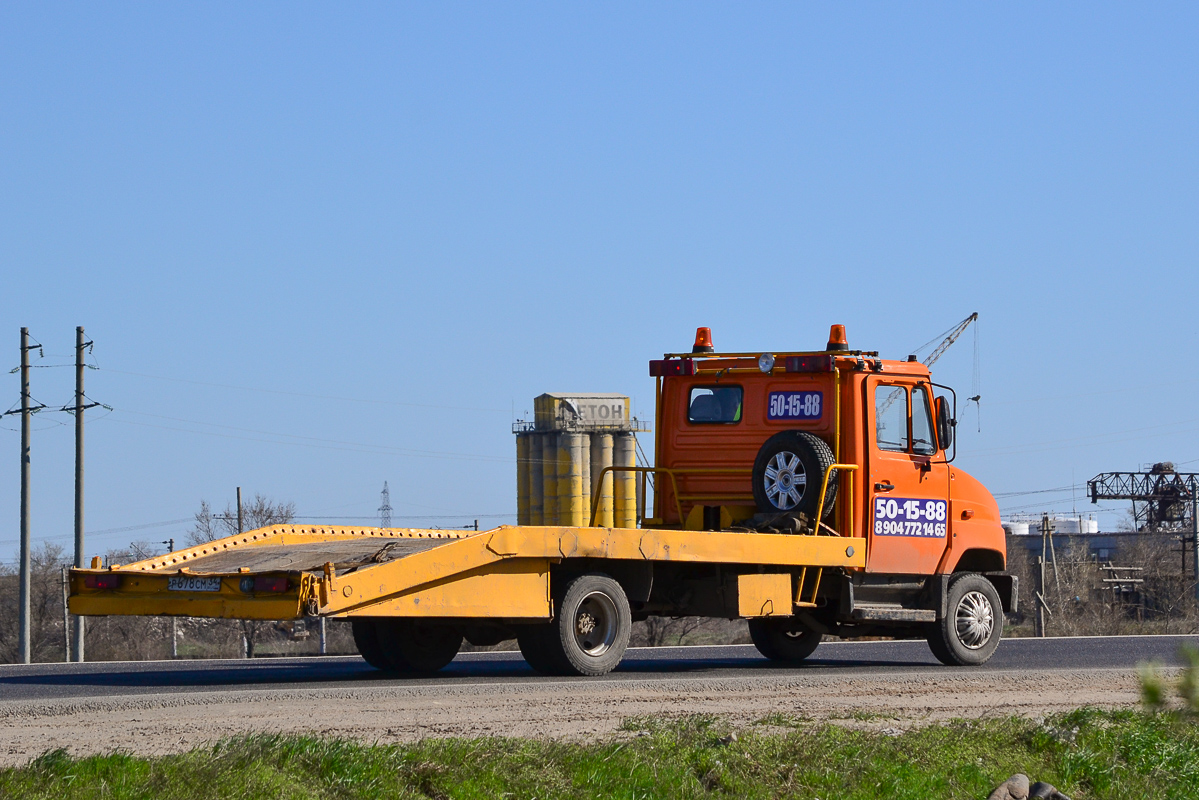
973	624
783	639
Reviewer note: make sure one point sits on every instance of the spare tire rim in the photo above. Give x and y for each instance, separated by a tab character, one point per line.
975	620
785	480
595	624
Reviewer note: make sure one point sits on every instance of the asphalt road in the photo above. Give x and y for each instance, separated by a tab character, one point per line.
59	681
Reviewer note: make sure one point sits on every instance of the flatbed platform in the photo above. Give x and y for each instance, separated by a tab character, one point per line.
292	571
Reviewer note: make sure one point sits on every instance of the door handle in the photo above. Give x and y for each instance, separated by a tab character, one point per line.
885	486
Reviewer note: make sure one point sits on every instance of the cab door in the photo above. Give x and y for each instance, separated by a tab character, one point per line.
908	483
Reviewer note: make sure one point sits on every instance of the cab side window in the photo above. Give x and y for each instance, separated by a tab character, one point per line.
891	418
923	442
715	404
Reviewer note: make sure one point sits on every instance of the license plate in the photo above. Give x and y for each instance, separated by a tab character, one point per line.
187	584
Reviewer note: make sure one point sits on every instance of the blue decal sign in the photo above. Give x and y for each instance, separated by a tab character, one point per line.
900	516
795	405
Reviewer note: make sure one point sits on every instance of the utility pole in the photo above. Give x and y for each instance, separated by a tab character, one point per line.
80	345
66	619
1194	535
23	645
240	528
1039	622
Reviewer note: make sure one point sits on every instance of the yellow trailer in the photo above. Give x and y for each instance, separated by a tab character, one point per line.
413	595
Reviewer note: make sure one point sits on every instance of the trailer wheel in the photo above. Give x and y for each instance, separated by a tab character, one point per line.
589	635
788	472
366	639
418	646
973	623
784	639
535	647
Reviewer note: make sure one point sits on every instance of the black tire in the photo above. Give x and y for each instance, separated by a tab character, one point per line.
783	639
366	639
417	646
534	642
973	623
937	645
590	631
788	472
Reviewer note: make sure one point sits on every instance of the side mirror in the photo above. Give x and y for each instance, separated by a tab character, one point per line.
945	423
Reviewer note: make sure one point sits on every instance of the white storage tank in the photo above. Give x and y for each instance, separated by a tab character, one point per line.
1063	525
1016	528
1069	524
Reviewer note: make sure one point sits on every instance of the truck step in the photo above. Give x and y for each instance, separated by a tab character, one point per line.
892	614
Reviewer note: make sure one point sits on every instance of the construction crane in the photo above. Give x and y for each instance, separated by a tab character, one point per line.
950	338
947	339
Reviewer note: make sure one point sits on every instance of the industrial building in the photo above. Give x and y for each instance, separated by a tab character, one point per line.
564	458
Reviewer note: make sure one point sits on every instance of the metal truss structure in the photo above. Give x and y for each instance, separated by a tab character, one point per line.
1162	499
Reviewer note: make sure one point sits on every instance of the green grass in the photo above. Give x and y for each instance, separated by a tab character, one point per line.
1088	754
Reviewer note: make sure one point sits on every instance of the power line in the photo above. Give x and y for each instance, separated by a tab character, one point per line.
306	441
304	394
417	516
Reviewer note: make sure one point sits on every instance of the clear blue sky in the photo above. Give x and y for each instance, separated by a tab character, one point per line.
320	247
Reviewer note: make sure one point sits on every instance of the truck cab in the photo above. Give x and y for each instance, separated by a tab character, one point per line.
835	442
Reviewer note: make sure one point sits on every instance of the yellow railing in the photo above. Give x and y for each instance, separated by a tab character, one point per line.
848	526
851	469
672	473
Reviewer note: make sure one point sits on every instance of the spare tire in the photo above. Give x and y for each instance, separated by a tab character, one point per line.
788	473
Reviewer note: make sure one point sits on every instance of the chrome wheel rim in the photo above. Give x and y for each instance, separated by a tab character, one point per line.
975	620
595	624
785	480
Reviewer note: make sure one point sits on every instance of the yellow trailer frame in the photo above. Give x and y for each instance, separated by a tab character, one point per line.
500	574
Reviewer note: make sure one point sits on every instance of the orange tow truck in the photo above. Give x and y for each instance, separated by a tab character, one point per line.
837	443
812	493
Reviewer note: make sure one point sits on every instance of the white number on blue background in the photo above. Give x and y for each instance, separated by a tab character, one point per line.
795	405
899	516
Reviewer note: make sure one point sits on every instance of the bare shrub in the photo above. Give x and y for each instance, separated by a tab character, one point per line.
1147	593
673	631
46	640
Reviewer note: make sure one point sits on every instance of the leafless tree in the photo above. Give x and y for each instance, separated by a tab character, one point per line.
259	513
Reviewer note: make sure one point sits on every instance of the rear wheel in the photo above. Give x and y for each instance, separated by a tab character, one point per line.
973	623
783	639
535	647
590	633
366	639
418	646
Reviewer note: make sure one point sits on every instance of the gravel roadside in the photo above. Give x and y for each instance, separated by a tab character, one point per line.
171	722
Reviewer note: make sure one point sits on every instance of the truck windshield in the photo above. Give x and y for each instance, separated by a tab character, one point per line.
715	404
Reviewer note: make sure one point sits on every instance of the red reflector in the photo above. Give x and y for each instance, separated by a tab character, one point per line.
809	363
671	366
101	581
266	583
